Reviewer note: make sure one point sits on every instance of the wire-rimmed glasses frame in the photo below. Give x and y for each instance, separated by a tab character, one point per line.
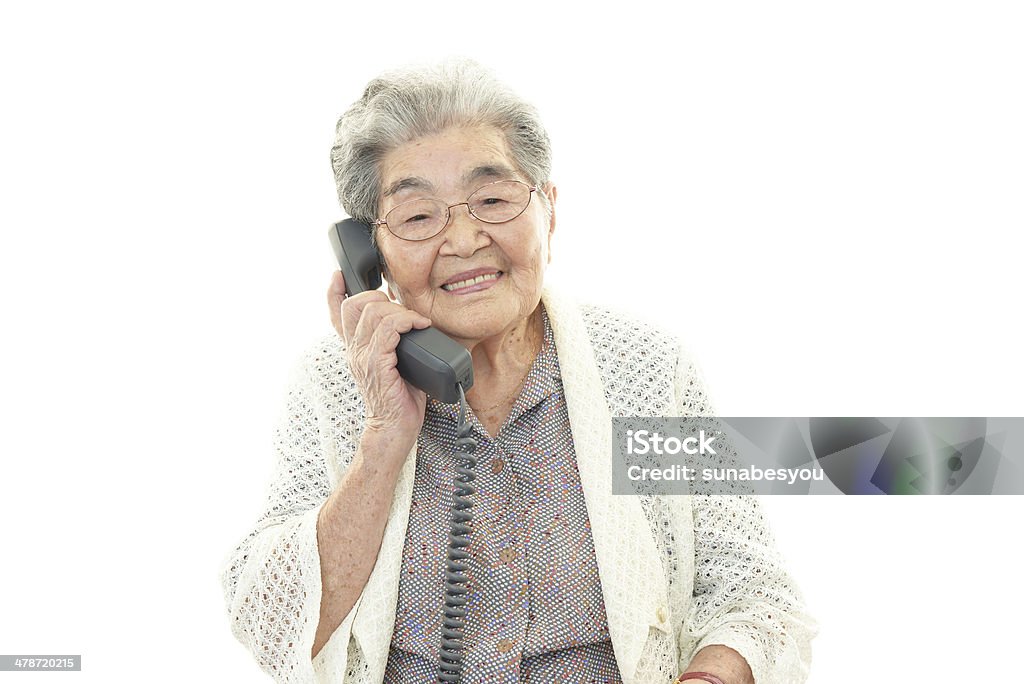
427	203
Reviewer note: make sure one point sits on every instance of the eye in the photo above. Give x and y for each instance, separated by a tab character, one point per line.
417	217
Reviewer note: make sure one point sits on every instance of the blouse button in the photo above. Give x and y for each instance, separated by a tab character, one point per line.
497	465
504	645
507	555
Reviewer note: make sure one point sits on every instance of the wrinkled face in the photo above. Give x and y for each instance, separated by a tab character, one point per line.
437	277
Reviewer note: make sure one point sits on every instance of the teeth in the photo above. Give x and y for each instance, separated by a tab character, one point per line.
472	281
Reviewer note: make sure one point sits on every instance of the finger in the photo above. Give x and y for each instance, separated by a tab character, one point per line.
378	313
338	283
388	331
353	311
335	296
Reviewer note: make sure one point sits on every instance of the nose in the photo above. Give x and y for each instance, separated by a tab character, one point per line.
464	234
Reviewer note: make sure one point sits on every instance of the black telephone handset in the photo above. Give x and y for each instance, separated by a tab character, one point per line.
443	368
427	358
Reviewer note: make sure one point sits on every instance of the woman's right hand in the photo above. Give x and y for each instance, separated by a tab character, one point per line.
371	326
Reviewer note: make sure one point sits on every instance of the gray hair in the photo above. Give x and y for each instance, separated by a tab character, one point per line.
403	105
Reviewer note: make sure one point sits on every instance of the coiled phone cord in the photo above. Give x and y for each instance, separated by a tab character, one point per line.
455	575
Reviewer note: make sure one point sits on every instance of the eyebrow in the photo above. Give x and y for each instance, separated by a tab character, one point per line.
411	183
488	171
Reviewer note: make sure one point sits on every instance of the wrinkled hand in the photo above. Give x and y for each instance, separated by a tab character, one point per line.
371	326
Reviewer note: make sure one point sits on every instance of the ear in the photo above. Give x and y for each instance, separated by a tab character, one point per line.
552	194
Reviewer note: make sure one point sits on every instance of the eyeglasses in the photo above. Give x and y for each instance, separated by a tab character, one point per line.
422	219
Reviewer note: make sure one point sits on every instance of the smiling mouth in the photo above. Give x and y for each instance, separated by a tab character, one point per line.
448	287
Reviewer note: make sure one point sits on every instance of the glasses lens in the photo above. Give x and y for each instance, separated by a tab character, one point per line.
499	202
417	220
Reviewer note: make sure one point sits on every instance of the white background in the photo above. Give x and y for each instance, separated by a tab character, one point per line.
824	199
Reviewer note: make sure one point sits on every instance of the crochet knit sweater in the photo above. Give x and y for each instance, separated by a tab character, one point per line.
678	573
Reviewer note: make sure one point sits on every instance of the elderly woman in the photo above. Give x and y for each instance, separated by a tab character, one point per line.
342	579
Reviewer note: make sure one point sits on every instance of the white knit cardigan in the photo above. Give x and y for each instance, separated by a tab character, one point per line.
678	572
